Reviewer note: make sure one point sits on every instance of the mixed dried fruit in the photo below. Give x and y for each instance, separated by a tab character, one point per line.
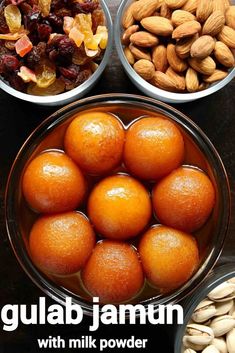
180	45
49	47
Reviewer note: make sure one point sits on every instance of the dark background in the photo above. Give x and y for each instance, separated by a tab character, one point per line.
214	114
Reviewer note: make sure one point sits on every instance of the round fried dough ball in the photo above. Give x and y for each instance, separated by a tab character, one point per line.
154	147
113	272
94	140
119	207
184	199
61	244
169	257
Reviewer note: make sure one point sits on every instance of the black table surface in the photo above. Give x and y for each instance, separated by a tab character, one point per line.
214	114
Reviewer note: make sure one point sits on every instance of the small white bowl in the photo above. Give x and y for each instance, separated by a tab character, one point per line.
146	87
78	92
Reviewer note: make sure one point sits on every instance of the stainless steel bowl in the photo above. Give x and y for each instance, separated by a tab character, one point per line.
146	87
78	92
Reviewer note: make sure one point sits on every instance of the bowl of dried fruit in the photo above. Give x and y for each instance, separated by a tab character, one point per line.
53	51
177	50
113	164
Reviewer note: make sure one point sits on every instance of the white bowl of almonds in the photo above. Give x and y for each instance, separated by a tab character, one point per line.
177	50
53	51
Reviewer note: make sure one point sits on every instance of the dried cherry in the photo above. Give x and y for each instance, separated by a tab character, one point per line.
61	49
71	72
8	63
44	30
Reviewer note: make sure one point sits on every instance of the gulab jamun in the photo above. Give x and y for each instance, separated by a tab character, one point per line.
113	272
154	147
169	257
184	199
119	207
94	140
61	244
53	183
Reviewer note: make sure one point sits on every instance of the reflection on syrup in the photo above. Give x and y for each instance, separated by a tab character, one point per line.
193	156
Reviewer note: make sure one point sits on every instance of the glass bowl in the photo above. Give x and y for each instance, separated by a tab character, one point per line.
78	92
128	107
219	275
146	87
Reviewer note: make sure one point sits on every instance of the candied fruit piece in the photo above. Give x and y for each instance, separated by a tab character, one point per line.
102	30
68	24
26	74
13	18
91	53
44	6
76	36
56	87
45	73
23	46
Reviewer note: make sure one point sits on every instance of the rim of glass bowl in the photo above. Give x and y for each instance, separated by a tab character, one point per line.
212	156
219	275
149	89
79	91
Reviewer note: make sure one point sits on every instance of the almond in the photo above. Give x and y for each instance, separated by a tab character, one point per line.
139	53
165	11
187	29
204	10
218	75
202	47
164	82
190	6
224	55
129	56
179	79
227	36
227	3
180	16
158	25
191	80
145	8
205	66
219	5
128	32
230	17
177	64
203	86
144	39
175	4
183	46
159	58
214	24
128	19
145	69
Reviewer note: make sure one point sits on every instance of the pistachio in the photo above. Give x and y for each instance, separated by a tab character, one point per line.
232	310
192	346
189	350
230	339
199	334
220	344
222	292
204	311
231	280
210	349
222	325
223	307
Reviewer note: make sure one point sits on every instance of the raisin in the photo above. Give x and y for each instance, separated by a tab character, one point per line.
97	19
44	30
63	12
31	20
71	72
56	22
36	54
61	49
69	84
87	6
58	4
9	63
83	76
3	25
25	8
16	82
